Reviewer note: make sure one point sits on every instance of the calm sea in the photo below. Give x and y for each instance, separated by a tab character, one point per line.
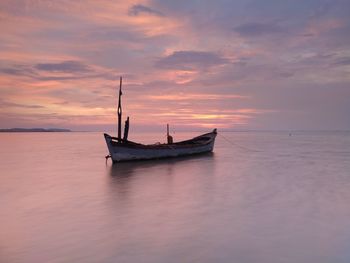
261	197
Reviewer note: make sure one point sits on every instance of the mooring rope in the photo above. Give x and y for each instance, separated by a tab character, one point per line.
239	146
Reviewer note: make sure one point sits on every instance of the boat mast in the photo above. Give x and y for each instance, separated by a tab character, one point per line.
120	112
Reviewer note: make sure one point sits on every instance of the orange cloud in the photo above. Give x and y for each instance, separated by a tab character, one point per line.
189	96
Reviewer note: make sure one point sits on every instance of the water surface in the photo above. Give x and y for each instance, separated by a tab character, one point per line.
260	197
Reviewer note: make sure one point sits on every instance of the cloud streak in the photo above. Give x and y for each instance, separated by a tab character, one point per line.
63	67
190	60
257	29
136	10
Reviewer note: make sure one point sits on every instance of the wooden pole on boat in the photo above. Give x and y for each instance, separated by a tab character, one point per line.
169	138
120	112
126	129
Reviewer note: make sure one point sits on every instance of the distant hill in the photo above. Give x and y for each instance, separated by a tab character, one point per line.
34	130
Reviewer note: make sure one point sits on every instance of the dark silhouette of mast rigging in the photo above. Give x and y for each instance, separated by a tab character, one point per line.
120	112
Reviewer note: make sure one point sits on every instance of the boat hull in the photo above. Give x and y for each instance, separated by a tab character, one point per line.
128	151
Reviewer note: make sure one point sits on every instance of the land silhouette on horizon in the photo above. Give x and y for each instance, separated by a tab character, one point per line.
35	130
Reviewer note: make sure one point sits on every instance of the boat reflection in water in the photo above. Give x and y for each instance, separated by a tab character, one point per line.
132	186
125	170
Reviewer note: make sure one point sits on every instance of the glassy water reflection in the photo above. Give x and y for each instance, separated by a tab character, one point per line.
287	201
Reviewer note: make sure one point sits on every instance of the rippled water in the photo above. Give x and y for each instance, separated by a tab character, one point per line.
260	197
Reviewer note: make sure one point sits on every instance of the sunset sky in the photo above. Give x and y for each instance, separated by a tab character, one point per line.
233	65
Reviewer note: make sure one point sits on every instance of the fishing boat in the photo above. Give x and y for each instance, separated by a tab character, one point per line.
121	149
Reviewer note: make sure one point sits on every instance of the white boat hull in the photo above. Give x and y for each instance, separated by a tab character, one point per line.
131	151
